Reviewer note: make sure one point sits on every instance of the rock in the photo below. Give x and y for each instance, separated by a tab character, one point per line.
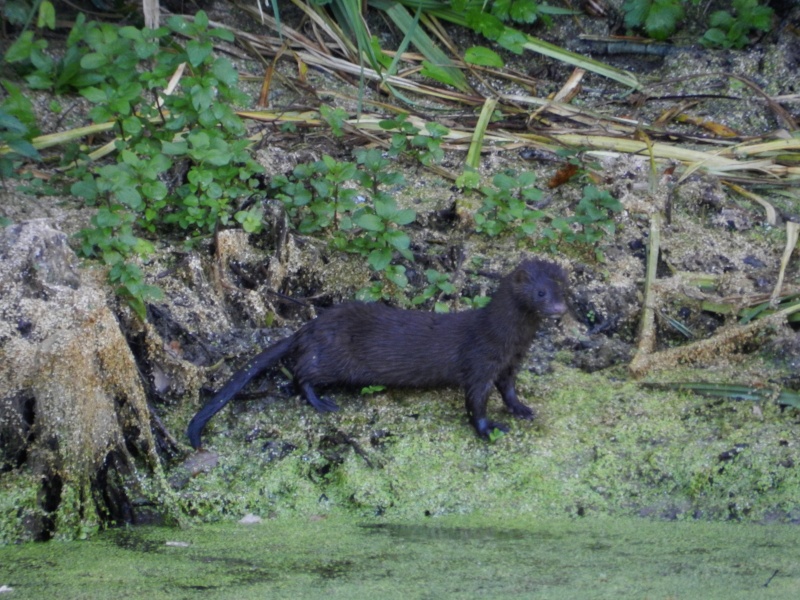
250	519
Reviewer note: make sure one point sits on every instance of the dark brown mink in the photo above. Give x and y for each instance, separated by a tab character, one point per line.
362	344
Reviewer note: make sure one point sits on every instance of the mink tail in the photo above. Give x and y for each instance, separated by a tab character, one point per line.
254	367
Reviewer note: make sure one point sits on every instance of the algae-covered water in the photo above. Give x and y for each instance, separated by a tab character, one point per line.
449	557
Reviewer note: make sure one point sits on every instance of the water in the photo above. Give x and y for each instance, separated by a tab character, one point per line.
449	557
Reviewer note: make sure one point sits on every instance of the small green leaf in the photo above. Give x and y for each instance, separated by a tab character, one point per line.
369	222
107	218
480	55
436	130
441	307
371	389
202	98
21	49
512	40
85	188
94	60
495	435
201	20
223	34
197	52
93	94
662	20
635	12
398	239
504	182
129	32
132	125
380	259
404	216
722	19
23	148
485	24
760	18
385	207
524	11
174	148
224	71
47	15
443	75
397	275
155	190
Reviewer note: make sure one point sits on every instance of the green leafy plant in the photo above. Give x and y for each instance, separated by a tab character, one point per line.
659	18
727	28
196	128
593	220
491	19
495	435
316	196
131	286
389	286
192	131
372	389
429	144
506	205
476	301
112	239
17	127
411	141
375	172
378	234
438	284
335	118
17	12
44	71
506	209
347	200
403	129
731	30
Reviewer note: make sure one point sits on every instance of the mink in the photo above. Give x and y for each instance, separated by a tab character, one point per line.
362	344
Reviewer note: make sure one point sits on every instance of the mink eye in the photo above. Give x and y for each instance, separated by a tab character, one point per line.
541	294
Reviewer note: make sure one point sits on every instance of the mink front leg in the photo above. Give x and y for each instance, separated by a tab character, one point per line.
477	395
506	384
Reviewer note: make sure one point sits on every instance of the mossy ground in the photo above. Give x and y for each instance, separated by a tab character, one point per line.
599	446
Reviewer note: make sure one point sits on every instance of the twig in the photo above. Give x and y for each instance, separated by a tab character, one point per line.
647	333
705	351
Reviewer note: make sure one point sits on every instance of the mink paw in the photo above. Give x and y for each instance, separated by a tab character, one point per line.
485	427
324	404
522	411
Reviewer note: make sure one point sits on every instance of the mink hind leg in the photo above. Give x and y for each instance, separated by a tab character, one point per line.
321	404
506	384
477	396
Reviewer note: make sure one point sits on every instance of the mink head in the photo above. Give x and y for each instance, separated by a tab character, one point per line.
541	286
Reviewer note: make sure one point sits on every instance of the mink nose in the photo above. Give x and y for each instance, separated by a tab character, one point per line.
556	310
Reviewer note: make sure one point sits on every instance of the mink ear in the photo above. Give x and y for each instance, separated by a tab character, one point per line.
521	276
